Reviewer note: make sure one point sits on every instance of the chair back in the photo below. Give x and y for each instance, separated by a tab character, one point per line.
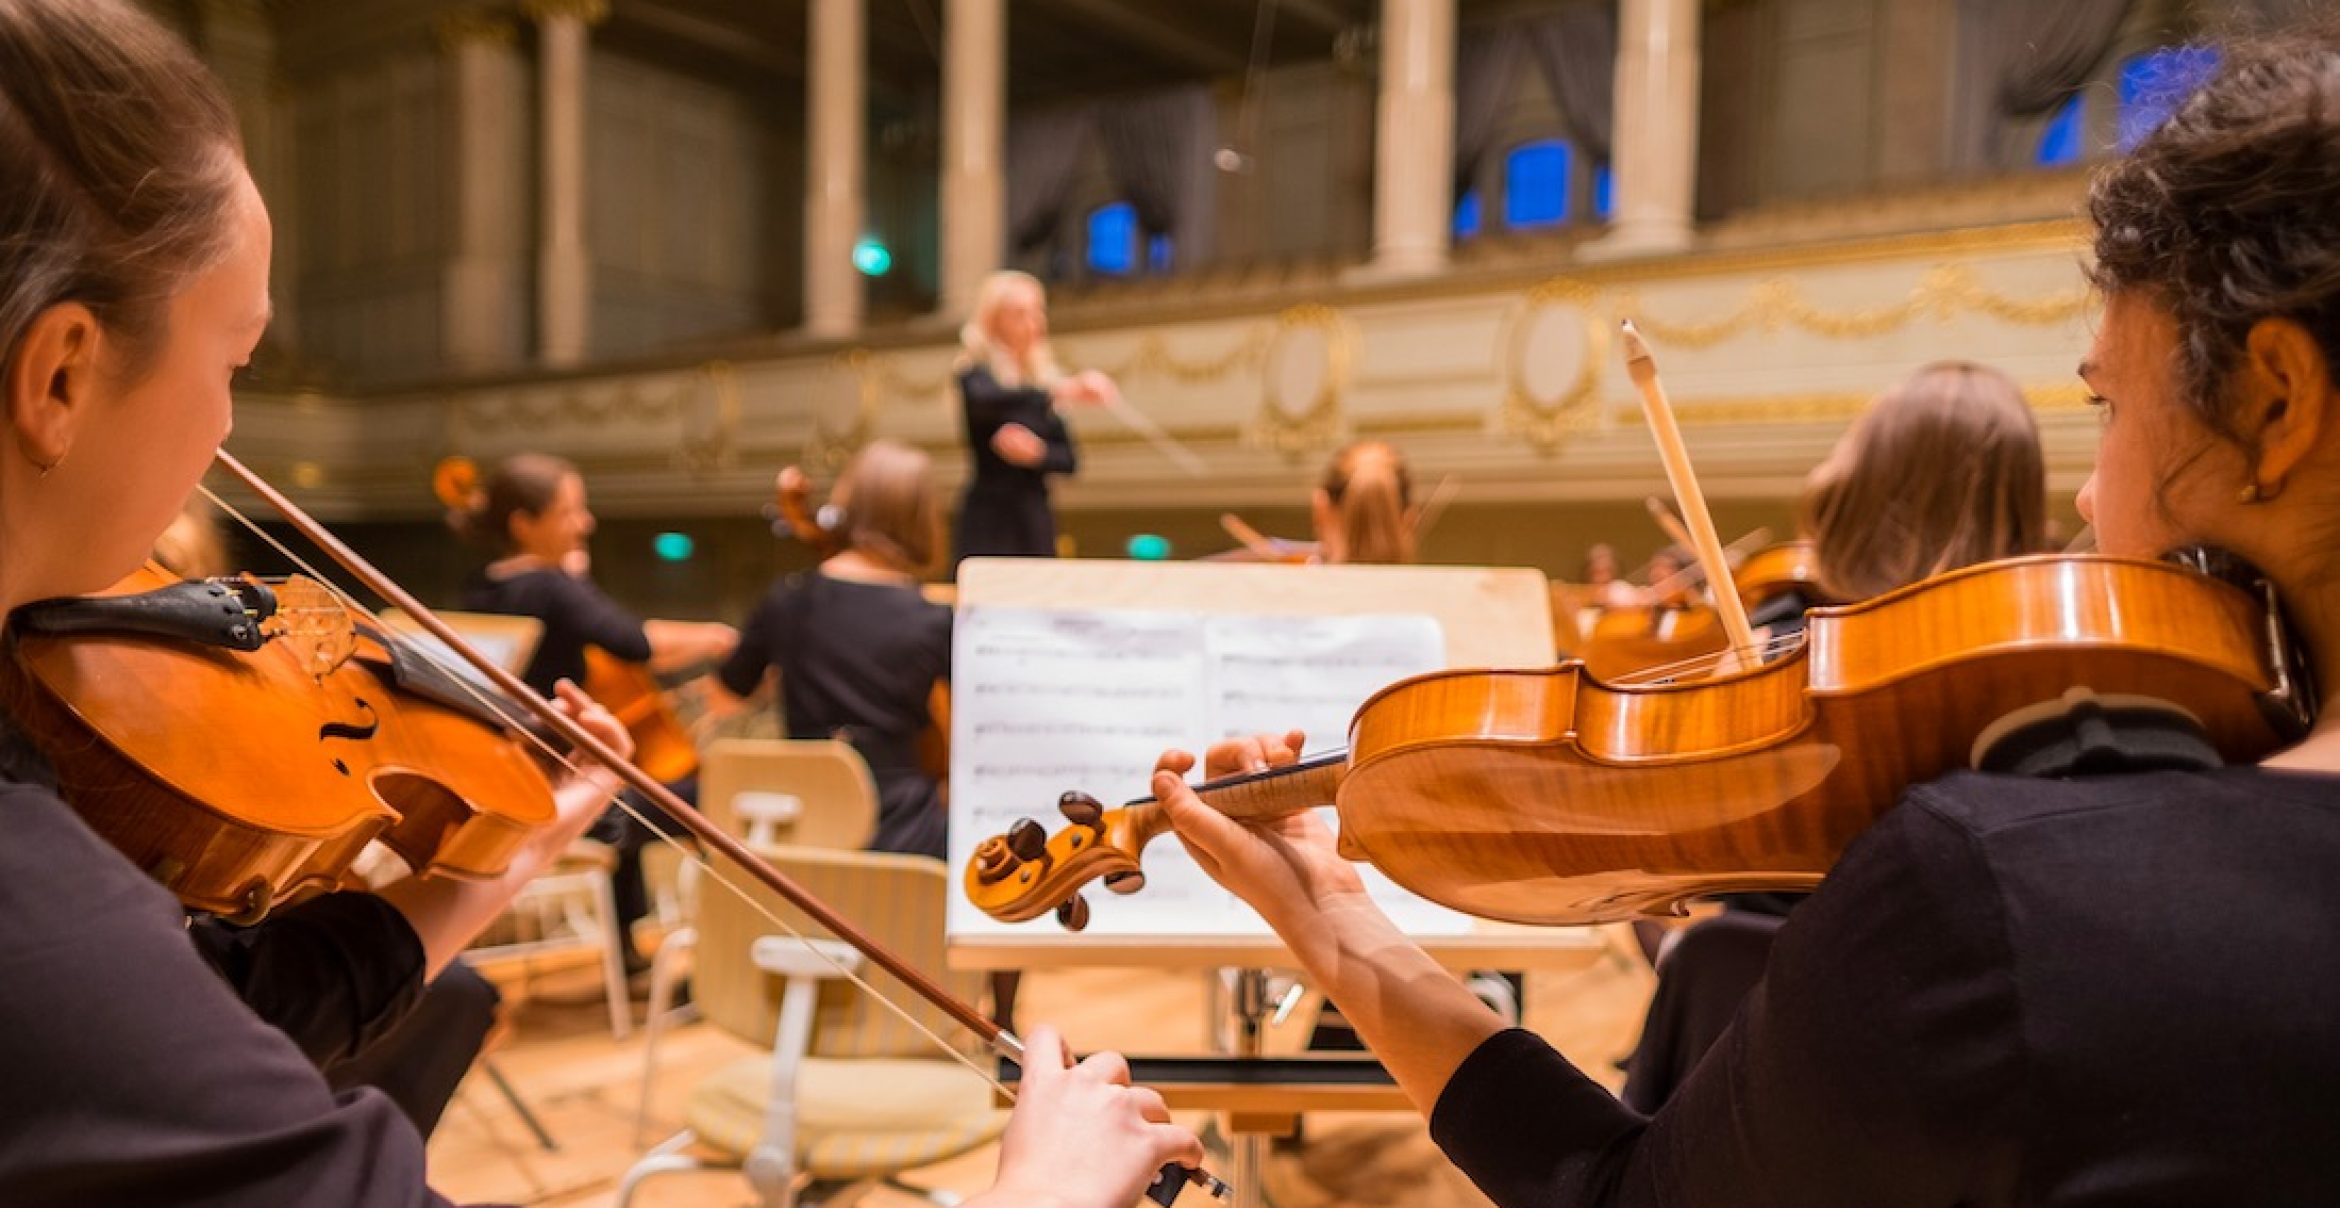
829	777
899	900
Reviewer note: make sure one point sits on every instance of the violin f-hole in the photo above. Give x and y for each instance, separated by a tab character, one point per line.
353	731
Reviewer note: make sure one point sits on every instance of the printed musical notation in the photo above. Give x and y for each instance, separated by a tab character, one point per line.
1052	700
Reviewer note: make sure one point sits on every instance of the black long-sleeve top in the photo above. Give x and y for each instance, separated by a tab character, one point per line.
857	661
2114	991
1006	512
576	614
133	1067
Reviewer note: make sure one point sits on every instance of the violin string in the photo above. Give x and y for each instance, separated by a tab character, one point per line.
1762	650
706	865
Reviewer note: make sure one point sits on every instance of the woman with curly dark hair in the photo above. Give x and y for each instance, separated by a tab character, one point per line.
2112	989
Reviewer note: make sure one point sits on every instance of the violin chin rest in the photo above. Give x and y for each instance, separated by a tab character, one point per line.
2082	733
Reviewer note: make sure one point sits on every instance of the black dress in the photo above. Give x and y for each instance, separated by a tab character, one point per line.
2117	990
576	614
1005	513
136	1068
857	662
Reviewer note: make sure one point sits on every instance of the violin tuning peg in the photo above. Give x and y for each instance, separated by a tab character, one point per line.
1073	915
993	861
1080	809
1125	882
1027	840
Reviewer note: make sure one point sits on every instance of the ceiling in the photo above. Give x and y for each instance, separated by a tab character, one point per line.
1055	47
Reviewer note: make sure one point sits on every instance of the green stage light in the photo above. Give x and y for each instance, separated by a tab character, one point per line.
1147	547
871	257
674	547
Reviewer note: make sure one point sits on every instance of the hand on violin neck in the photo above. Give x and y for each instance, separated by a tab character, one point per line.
1286	869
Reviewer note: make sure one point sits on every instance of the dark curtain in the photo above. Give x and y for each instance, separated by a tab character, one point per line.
1575	46
1158	148
2020	59
1485	63
1044	150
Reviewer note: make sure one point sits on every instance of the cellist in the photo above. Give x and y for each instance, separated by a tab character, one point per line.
2112	989
134	256
533	514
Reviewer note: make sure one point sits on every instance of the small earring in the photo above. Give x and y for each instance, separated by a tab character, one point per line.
2248	494
51	466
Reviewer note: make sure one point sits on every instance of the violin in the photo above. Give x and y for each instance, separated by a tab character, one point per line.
662	743
243	741
1550	796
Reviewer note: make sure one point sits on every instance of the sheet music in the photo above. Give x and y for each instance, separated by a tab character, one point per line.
1048	700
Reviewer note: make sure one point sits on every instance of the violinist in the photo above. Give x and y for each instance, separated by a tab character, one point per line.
418	1060
134	256
1010	389
2109	989
1884	510
532	511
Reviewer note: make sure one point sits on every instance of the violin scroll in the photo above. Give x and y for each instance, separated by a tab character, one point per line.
1028	872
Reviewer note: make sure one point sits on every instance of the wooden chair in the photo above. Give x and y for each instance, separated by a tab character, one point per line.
850	1092
804	793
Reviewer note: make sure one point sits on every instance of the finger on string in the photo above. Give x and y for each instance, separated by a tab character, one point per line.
1175	762
497	706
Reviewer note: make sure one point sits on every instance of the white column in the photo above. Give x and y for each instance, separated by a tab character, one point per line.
1413	143
1655	143
483	289
564	270
974	178
837	114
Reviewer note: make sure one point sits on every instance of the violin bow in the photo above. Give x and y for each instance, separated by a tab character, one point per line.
1676	455
999	1039
1144	425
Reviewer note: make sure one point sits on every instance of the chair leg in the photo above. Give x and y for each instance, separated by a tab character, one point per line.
773	1175
613	963
519	1105
667	1158
664	977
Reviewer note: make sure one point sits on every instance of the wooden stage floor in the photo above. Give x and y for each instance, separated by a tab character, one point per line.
583	1086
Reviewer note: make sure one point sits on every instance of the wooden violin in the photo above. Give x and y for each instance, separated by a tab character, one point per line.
662	743
242	741
1548	796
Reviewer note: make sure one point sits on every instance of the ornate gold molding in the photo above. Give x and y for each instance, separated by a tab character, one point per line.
457	28
1322	424
1547	423
591	12
1945	292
